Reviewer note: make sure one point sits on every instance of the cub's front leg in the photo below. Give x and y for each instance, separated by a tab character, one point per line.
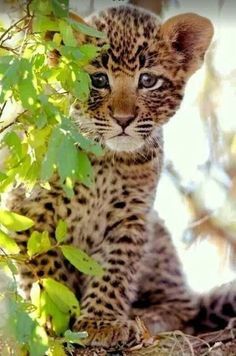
106	301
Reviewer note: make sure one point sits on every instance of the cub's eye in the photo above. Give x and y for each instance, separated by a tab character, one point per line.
100	80
149	80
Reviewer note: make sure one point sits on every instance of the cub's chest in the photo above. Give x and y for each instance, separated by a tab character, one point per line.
115	195
90	210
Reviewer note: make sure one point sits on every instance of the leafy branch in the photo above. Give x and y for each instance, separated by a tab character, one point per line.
36	140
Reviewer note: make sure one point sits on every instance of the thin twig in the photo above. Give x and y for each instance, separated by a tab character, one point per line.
3	107
13	122
11	27
28	8
9	49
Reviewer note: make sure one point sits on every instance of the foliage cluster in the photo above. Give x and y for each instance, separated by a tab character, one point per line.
41	141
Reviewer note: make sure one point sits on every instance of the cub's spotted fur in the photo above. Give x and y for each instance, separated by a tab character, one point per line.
137	86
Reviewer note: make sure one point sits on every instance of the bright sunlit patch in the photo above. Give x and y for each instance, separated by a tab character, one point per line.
31	101
212	194
226	107
203	267
169	204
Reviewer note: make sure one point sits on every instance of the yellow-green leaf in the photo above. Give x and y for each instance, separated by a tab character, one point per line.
48	308
61	230
35	298
61	295
38	243
56	349
7	243
67	34
15	222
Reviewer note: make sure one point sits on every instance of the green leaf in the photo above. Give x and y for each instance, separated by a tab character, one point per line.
43	23
5	62
25	330
11	77
32	175
50	158
43	7
82	261
61	295
67	34
81	88
85	173
38	243
60	8
67	167
48	308
8	243
35	296
27	93
13	141
38	60
87	30
90	51
62	143
61	231
75	337
83	142
6	183
38	344
68	187
57	349
72	53
3	176
41	120
15	222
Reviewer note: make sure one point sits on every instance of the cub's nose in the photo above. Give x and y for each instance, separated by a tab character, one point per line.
124	120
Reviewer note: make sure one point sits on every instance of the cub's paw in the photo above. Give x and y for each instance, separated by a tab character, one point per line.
112	333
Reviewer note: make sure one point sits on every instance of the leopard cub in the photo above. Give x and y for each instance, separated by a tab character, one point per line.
137	86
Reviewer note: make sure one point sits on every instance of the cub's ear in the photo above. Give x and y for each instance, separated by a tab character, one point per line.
189	35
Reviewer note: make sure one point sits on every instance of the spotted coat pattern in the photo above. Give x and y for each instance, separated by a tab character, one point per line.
113	221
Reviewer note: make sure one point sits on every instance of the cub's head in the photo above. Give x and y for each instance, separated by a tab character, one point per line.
137	85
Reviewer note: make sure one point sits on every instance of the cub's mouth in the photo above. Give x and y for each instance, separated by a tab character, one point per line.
123	134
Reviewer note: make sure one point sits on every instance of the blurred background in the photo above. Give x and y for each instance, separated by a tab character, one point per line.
197	193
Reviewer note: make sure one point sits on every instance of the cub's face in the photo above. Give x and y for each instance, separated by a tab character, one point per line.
137	85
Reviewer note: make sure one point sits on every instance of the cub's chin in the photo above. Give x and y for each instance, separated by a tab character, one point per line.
124	144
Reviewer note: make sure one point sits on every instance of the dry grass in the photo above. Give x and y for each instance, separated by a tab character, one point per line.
220	343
